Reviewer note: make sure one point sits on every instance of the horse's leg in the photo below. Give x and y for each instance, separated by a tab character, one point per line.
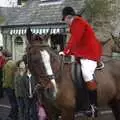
67	114
115	105
51	114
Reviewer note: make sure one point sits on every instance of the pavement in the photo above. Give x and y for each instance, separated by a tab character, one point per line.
5	107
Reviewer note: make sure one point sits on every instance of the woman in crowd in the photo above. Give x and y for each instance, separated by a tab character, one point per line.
30	98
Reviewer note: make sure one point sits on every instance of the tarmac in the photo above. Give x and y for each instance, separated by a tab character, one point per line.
5	107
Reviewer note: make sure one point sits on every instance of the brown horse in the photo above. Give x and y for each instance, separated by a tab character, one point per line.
108	79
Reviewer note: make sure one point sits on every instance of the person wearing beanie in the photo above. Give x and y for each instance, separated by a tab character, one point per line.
86	48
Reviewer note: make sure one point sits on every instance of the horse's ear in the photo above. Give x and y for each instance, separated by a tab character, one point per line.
47	35
29	35
112	36
103	42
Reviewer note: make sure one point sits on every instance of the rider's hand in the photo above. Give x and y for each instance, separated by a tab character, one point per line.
61	53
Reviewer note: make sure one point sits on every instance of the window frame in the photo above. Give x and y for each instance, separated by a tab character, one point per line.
50	2
18	40
43	1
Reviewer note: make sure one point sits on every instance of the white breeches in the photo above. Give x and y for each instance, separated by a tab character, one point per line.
88	68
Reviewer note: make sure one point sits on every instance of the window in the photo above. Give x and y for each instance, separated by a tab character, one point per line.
18	41
19	2
49	0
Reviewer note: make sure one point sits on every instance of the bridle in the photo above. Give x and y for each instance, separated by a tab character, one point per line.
44	77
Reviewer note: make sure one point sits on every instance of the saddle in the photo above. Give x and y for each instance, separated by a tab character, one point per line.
82	96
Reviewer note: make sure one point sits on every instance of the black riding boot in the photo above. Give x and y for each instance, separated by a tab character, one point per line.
93	102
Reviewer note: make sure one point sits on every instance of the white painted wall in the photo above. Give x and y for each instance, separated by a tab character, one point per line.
1	39
8	3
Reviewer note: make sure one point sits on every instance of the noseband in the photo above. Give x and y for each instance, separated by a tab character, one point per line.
46	77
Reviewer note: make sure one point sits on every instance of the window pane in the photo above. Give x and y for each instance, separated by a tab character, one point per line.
49	0
18	41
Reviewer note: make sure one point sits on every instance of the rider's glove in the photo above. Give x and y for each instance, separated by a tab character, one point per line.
67	52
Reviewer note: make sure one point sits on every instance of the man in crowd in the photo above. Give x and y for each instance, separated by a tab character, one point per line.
8	84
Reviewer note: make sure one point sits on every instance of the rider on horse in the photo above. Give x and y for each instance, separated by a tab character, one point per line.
84	45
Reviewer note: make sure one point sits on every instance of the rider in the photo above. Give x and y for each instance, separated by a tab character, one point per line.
84	45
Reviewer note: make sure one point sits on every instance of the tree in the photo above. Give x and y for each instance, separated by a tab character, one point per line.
97	9
24	0
2	19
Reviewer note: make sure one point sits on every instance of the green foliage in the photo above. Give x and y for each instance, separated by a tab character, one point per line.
2	19
97	8
24	0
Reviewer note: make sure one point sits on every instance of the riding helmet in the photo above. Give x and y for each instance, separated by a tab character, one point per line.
67	11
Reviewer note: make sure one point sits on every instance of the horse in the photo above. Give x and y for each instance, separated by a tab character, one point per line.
111	45
108	79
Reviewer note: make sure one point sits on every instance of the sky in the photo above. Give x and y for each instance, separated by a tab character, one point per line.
7	3
3	2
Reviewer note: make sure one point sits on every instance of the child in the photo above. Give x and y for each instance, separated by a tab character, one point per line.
30	99
20	88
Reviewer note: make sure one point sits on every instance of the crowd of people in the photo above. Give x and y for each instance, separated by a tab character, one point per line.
18	85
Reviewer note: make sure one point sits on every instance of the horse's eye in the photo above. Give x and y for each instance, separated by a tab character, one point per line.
35	57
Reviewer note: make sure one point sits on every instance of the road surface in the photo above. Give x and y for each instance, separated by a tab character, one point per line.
5	107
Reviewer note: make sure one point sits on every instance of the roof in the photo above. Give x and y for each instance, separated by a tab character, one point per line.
8	14
36	13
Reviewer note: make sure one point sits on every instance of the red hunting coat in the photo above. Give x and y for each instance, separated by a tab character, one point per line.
83	42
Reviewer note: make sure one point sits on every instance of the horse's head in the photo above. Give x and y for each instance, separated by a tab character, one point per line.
111	45
32	38
107	47
116	47
42	61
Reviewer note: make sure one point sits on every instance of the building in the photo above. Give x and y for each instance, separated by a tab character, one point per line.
39	15
4	5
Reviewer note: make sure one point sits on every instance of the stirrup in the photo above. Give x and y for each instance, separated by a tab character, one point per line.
92	112
100	65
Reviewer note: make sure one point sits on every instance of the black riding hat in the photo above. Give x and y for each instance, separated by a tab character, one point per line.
67	11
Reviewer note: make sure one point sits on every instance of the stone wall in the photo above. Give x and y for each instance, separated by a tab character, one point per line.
108	24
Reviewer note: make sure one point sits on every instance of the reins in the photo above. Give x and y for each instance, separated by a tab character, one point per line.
61	65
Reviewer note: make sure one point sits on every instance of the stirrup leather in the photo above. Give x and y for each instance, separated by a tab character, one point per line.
93	111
